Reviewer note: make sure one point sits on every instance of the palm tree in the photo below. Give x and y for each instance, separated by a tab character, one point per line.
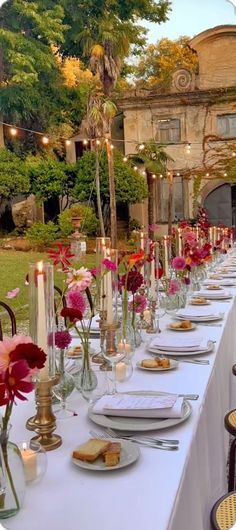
106	58
155	159
100	111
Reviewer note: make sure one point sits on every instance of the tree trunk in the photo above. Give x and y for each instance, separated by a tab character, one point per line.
150	183
99	204
170	202
2	144
159	215
112	191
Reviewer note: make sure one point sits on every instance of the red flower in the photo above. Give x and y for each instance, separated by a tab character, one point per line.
135	258
71	313
62	339
16	382
61	256
134	281
31	353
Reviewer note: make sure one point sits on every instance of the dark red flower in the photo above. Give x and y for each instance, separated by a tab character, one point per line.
61	256
16	382
134	281
62	339
71	313
31	353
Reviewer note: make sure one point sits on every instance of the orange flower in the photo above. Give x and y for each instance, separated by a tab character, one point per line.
188	260
135	257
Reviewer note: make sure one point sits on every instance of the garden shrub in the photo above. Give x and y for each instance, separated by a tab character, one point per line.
89	221
41	235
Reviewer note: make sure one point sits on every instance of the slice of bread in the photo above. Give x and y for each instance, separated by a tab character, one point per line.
112	455
90	450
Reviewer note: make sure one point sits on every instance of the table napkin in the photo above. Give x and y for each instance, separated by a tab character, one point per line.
190	312
167	342
212	293
218	282
137	406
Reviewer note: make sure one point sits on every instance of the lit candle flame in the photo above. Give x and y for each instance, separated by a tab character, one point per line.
24	446
40	266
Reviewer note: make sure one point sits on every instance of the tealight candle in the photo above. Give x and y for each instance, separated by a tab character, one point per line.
121	371
124	346
29	458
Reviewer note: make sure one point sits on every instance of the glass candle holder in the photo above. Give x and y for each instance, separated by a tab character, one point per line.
34	459
41	310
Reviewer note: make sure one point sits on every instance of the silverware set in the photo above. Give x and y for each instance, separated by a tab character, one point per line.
145	441
191	361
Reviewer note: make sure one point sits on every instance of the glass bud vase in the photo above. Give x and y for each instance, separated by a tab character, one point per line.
12	477
85	378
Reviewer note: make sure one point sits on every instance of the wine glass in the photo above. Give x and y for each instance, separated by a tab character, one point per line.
63	389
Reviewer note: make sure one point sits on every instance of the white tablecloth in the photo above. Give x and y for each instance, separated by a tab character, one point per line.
163	490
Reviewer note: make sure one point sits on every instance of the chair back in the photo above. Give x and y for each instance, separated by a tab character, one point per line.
12	319
63	299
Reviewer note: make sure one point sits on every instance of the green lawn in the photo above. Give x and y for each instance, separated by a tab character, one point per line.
13	269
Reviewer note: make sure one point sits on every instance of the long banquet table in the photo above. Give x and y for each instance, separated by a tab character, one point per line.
163	490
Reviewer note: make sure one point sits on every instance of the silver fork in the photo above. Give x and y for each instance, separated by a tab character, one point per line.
155	445
193	361
129	435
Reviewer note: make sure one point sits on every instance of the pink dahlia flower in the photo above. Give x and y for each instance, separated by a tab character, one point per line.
109	264
139	304
179	263
76	300
13	293
79	279
7	346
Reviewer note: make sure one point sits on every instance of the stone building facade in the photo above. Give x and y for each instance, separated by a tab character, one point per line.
197	120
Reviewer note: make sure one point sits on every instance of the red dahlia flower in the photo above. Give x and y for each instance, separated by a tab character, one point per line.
72	314
16	380
31	353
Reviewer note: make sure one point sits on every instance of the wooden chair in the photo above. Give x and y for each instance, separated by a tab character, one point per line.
223	513
230	425
12	319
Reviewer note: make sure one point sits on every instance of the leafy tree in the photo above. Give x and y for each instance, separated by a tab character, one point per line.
103	33
158	62
13	176
89	222
50	179
130	185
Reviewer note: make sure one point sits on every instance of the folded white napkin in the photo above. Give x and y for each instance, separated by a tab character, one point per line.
168	343
136	406
71	366
190	312
218	282
228	274
212	293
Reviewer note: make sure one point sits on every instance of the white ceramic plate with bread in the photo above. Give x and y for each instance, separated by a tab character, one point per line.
129	453
149	366
178	326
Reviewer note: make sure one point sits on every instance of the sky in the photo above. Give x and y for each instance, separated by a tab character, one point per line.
190	17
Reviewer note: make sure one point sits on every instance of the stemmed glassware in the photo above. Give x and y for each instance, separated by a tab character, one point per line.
63	389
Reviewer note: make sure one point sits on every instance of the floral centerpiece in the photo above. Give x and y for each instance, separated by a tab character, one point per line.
131	280
81	288
20	360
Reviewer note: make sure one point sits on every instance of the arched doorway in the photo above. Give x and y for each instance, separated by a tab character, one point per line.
221	205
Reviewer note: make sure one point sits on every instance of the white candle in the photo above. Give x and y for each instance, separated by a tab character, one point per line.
124	346
42	335
142	248
120	371
29	458
108	294
166	261
153	280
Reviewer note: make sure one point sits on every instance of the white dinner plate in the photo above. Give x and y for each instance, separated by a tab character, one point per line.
212	318
173	364
129	454
182	329
182	353
139	424
218	296
197	303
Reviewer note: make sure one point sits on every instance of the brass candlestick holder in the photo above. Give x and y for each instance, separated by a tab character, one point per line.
98	357
44	422
109	331
152	328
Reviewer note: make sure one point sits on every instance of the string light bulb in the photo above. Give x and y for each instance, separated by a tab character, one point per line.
106	140
177	174
125	159
85	141
233	153
144	173
135	168
188	147
141	147
13	131
161	176
45	140
112	146
68	142
98	142
153	176
207	175
225	174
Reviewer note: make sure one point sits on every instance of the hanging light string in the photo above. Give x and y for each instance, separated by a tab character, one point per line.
45	139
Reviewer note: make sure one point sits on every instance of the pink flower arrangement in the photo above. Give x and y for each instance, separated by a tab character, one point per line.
138	304
179	263
76	300
173	287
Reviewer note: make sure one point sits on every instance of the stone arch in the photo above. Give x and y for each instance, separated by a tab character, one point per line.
210	186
